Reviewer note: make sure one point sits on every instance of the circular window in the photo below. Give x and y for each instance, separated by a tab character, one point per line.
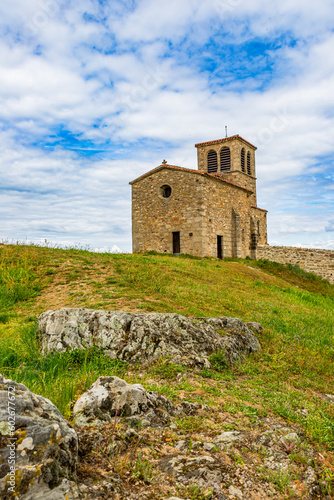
165	191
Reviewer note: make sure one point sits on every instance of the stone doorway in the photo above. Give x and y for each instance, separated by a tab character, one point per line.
176	243
219	247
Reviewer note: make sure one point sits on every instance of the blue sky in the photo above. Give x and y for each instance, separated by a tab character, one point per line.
95	93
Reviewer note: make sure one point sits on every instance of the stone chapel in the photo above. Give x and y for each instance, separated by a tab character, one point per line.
209	212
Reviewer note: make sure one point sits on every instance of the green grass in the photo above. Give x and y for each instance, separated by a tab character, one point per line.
62	377
195	492
167	370
295	308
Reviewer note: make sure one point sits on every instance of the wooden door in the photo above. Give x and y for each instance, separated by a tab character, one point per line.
176	243
219	247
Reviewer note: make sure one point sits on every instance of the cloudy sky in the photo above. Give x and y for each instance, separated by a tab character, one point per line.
94	93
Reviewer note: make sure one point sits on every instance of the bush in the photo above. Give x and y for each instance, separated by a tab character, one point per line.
219	361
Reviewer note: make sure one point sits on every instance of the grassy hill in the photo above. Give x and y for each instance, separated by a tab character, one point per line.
289	378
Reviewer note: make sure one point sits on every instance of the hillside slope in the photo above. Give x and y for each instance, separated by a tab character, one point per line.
288	381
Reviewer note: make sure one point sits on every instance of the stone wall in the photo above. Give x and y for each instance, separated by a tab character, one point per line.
320	262
200	208
235	144
155	218
229	213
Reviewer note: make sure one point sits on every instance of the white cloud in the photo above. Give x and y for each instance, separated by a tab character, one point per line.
155	79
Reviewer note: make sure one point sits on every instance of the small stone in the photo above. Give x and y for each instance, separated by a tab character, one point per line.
235	492
175	498
291	438
196	446
209	446
203	470
190	408
180	445
131	433
145	423
310	476
265	440
228	437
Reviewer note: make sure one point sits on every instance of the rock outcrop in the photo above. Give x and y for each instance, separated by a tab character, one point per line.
111	397
203	470
119	462
38	449
146	337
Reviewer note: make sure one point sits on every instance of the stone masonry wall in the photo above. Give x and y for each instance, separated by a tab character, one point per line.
235	146
155	218
320	262
229	213
200	208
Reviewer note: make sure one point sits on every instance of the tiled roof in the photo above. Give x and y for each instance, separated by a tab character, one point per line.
198	172
257	208
226	139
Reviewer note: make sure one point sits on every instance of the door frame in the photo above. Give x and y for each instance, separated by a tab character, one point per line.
176	243
220	247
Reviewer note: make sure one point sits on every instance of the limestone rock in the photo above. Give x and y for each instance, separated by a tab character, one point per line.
256	327
235	492
190	408
228	437
109	397
43	447
209	446
174	498
203	470
181	445
146	337
292	437
310	476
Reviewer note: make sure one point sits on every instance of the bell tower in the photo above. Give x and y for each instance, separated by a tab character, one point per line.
231	159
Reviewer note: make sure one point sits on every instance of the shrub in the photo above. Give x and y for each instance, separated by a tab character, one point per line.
219	361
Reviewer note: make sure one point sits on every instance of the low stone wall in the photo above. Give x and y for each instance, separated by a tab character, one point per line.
316	261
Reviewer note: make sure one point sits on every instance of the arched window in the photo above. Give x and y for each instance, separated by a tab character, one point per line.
225	159
243	167
248	163
212	162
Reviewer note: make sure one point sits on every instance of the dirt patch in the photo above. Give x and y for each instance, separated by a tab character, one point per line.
77	285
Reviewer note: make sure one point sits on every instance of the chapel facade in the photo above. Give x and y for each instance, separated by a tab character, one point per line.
209	212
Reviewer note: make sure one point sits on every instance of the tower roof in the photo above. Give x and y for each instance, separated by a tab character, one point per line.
226	139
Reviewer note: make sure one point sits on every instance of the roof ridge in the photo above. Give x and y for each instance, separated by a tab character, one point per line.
192	171
225	139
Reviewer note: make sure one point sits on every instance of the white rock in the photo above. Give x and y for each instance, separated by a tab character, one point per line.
48	451
209	446
235	492
228	437
111	397
145	337
292	437
180	445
